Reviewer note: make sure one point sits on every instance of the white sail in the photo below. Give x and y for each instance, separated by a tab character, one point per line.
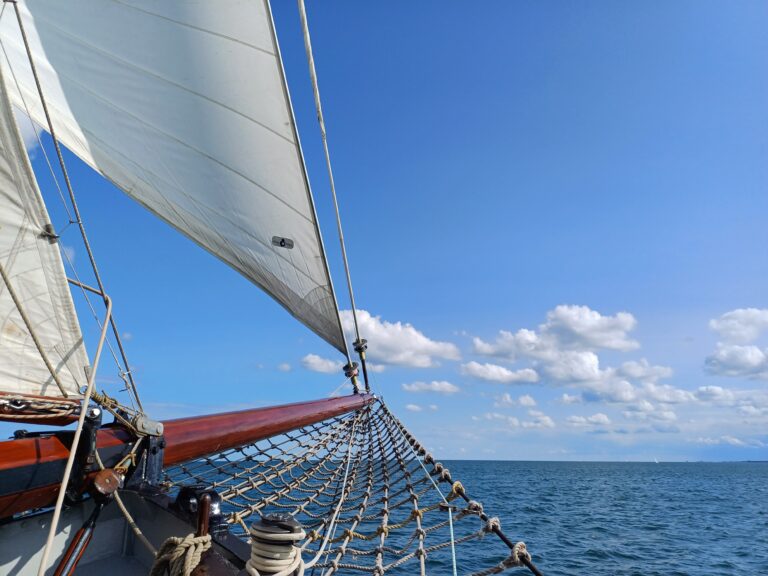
31	261
183	105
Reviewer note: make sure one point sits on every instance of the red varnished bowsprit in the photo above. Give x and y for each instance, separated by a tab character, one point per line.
30	467
189	438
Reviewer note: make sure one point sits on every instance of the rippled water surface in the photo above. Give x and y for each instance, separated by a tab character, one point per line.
628	518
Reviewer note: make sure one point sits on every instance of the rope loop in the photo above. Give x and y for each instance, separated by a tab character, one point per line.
179	556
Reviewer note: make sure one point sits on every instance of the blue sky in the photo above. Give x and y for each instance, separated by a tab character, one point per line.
562	205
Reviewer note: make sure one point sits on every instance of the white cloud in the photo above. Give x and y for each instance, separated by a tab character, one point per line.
506	401
398	343
651	413
526	400
643	371
437	386
413	408
570	398
741	325
433	407
564	350
739	361
598	419
373	367
318	364
564	347
127	336
495	373
731	441
284	367
716	394
735	355
585	328
495	416
540	420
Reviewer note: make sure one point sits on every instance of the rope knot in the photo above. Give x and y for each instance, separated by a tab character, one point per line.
456	490
179	556
491	525
519	551
445	474
383	530
475	507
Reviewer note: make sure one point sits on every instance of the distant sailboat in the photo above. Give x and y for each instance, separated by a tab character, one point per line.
183	105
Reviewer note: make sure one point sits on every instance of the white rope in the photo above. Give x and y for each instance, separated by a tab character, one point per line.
277	560
179	556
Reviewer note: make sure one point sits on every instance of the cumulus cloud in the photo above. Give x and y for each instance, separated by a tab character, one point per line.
413	408
738	360
398	343
566	328
583	327
319	364
645	411
526	400
598	419
736	355
496	373
539	420
716	394
506	401
570	398
437	386
565	345
284	367
741	325
643	371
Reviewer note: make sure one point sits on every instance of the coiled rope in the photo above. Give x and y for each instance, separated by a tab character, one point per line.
275	553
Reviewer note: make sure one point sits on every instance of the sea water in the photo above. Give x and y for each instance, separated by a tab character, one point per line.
624	518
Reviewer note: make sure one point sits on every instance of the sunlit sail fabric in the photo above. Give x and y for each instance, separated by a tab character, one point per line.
183	105
31	260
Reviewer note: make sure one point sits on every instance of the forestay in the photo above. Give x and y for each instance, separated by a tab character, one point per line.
183	105
31	262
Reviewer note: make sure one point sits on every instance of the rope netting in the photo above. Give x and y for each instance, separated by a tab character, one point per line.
369	497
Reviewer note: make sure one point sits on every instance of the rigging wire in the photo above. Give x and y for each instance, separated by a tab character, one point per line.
359	343
78	220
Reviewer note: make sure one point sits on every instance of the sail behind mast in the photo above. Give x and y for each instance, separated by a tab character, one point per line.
31	260
183	105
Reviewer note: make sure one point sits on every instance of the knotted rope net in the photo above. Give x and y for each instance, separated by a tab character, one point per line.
370	498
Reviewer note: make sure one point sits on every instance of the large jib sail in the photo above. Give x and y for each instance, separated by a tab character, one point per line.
184	106
35	301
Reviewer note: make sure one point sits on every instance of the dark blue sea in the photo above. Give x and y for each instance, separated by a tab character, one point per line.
626	518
